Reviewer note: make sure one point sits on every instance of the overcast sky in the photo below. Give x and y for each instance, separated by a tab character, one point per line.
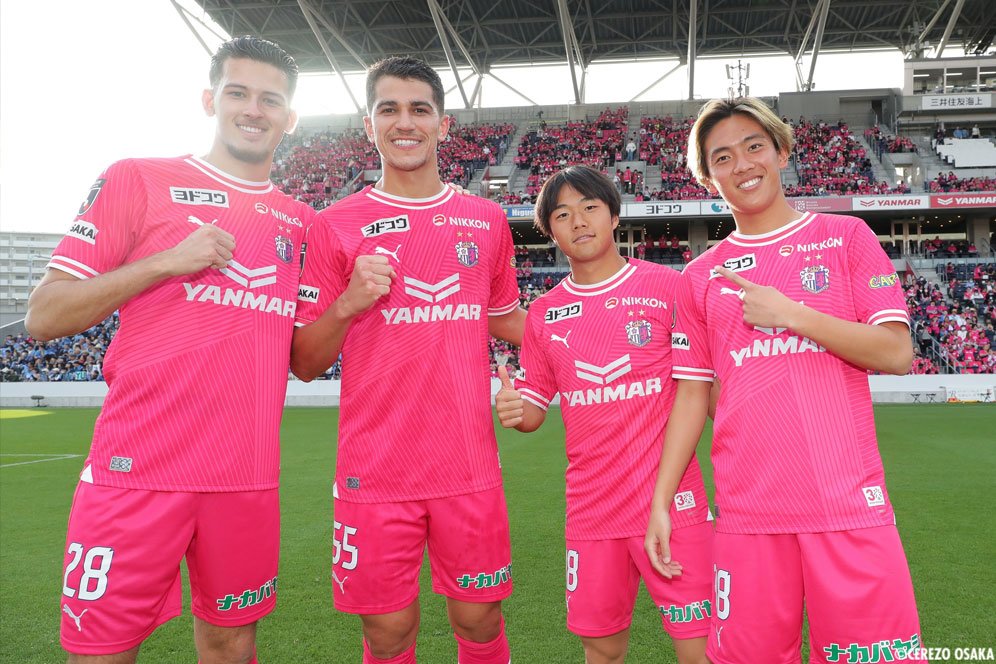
85	83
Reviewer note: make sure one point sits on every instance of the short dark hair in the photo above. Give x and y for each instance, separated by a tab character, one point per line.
254	48
587	181
404	67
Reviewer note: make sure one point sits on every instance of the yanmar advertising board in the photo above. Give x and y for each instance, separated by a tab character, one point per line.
896	202
963	200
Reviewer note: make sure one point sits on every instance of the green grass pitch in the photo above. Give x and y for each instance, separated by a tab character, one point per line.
940	462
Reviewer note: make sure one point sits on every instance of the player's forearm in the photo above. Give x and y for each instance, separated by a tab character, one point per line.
684	428
62	305
315	347
508	327
532	417
886	347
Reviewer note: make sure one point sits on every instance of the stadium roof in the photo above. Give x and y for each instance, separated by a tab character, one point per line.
359	32
349	35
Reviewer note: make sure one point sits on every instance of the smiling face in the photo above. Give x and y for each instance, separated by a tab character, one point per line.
583	229
406	125
744	164
251	105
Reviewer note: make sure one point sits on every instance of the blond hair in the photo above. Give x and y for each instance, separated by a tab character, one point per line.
717	110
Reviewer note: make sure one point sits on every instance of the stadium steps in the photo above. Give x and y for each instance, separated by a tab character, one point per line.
879	172
516	176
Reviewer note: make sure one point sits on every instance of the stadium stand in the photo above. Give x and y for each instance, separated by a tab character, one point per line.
951	182
955	331
966	152
546	149
829	160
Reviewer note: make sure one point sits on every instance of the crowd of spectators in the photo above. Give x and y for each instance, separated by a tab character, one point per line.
76	358
951	182
321	167
882	142
547	149
960	317
962	324
664	142
316	168
829	160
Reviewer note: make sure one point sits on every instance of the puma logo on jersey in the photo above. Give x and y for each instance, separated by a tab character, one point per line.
729	291
387	252
341	583
194	220
76	618
563	339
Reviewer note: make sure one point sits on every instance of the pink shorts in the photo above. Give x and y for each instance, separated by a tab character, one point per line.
122	570
603	577
856	587
378	549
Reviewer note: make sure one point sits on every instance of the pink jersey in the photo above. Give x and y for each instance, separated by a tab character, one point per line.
197	371
415	413
606	348
794	446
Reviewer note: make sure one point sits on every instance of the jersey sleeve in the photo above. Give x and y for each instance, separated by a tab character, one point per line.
106	226
538	384
504	286
689	342
324	271
875	286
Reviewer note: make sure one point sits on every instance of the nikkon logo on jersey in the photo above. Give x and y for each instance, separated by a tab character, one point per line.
194	196
470	223
572	310
386	225
829	243
738	264
83	230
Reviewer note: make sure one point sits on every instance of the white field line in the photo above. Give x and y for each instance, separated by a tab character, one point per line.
48	457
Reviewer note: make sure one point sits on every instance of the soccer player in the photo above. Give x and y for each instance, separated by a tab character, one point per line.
790	312
419	276
201	256
602	340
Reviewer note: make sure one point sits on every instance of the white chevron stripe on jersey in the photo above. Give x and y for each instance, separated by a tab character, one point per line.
433	292
603	375
236	270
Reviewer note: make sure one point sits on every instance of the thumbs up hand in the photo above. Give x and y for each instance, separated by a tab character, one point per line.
508	401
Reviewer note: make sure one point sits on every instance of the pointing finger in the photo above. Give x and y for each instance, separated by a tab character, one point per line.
733	276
